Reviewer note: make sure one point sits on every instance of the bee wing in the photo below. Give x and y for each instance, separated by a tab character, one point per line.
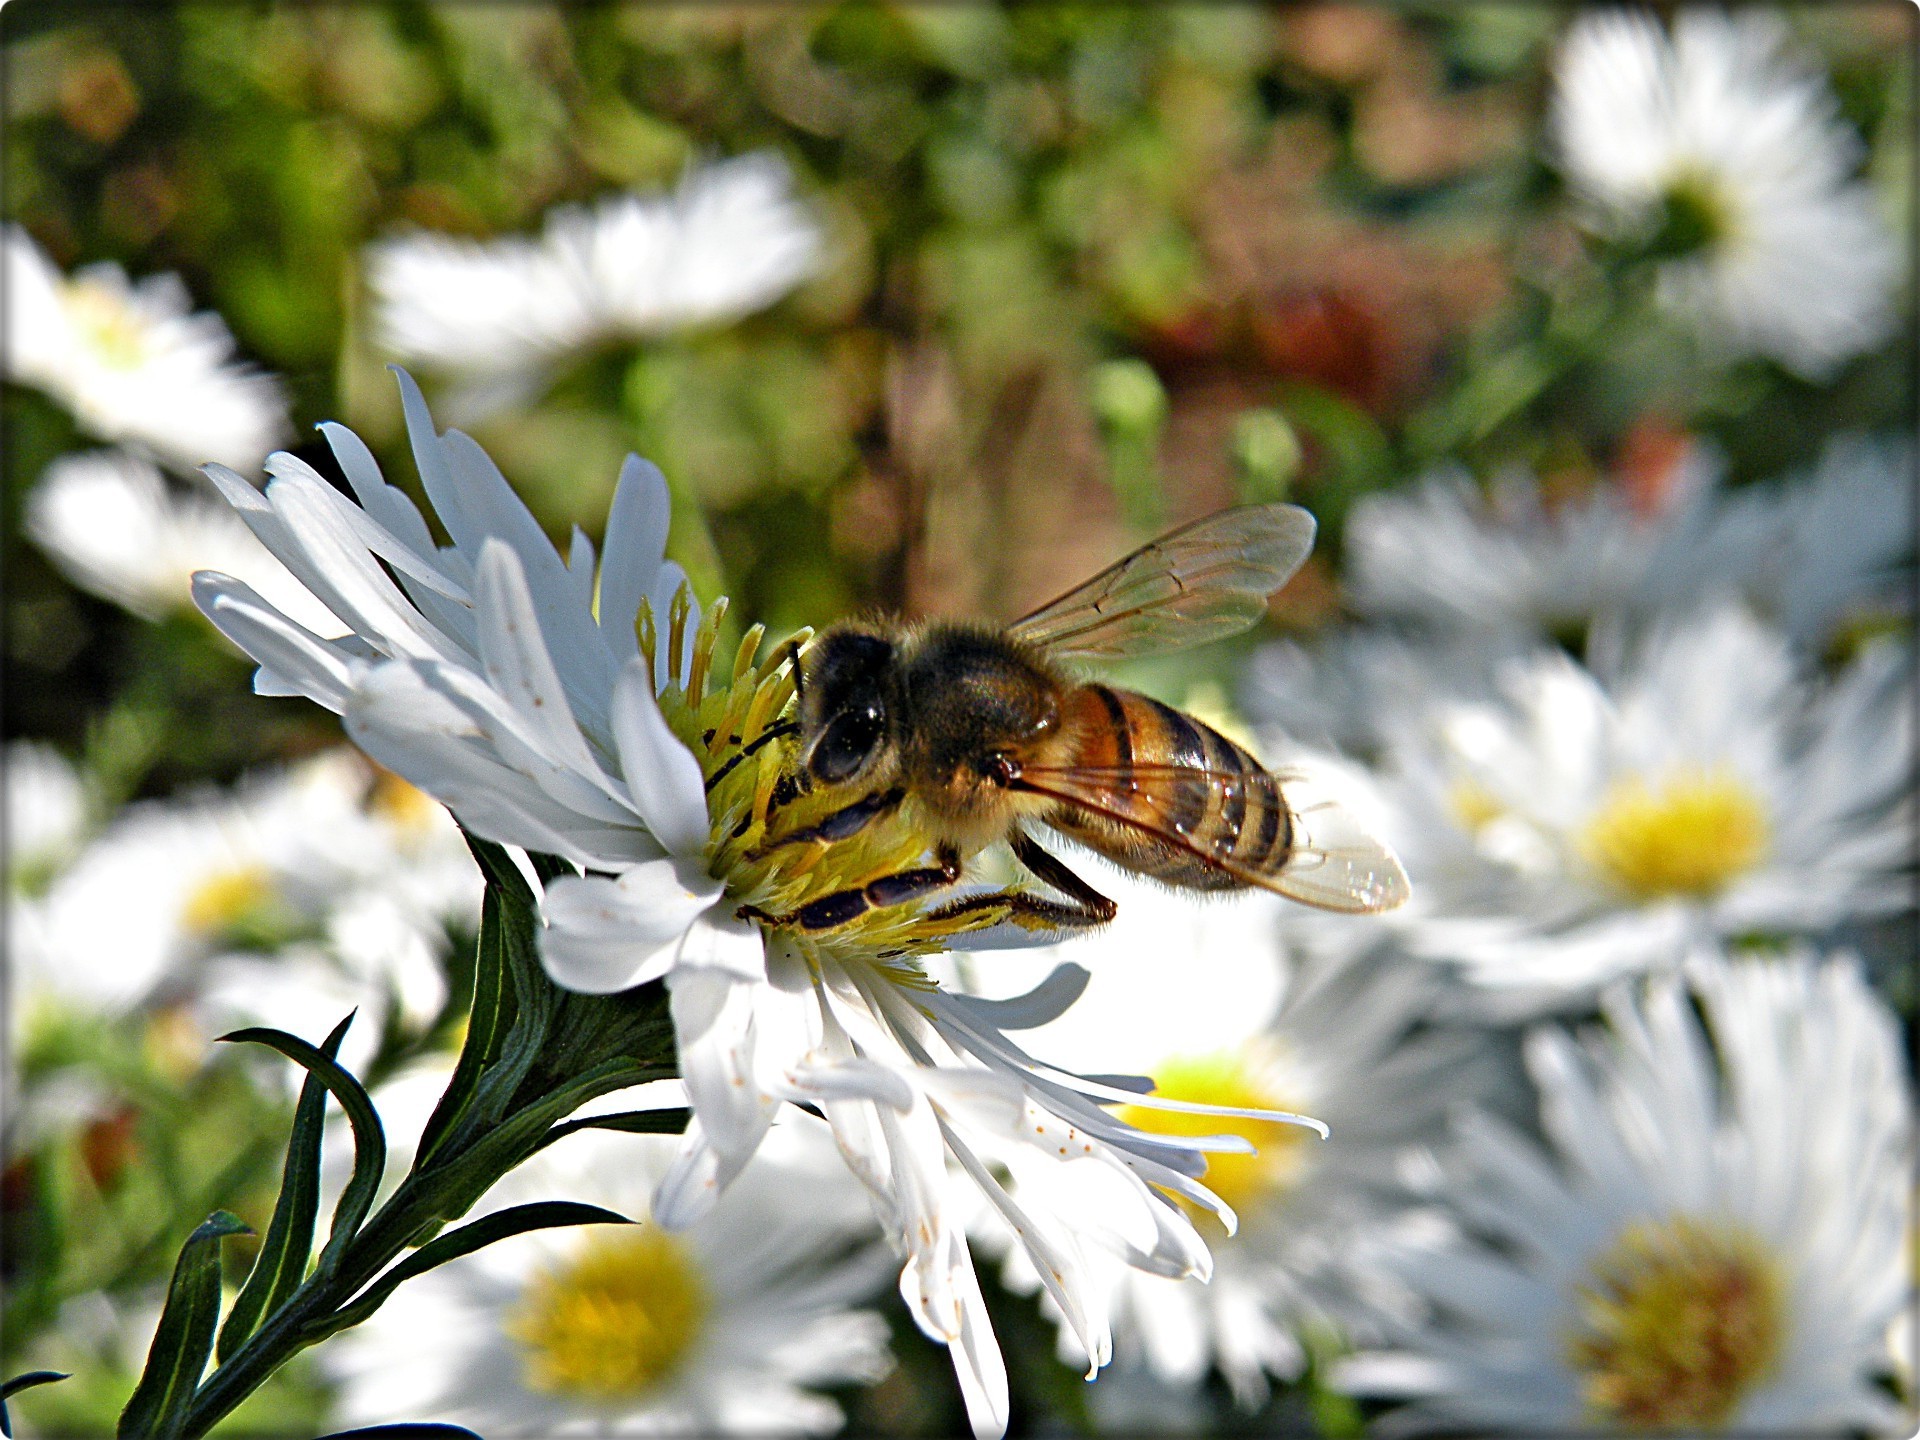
1203	582
1332	861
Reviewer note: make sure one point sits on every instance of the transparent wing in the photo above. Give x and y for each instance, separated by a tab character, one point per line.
1203	582
1333	862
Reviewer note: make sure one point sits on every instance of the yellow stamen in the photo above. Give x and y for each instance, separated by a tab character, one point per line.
1473	805
226	900
1678	1325
115	330
407	808
616	1321
1690	836
1230	1079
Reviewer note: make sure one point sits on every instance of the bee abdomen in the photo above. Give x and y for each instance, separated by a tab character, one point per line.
1197	802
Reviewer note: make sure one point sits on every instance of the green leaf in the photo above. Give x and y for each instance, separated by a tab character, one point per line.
282	1262
369	1140
670	1120
488	1023
184	1337
23	1382
515	1220
411	1430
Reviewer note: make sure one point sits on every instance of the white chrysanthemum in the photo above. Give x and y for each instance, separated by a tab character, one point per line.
46	812
1814	554
1714	1243
1448	554
1566	826
300	889
730	240
1255	1022
1723	154
520	689
133	363
726	1327
117	529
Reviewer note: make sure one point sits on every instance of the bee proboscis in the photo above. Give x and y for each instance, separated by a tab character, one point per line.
982	733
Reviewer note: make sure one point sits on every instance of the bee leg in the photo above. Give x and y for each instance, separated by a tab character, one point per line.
830	912
1055	872
844	823
1028	911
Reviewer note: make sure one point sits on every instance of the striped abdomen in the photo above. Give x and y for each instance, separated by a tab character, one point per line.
1158	792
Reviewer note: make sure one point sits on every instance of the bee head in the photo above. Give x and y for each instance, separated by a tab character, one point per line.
846	704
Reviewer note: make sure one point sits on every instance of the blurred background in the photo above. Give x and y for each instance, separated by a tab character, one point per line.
1038	282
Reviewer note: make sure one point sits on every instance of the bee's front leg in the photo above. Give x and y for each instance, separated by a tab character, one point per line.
1084	908
842	824
830	912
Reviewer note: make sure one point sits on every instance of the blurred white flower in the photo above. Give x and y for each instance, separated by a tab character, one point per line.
1714	1242
1490	764
1813	554
133	363
1256	1021
46	812
1449	555
1564	826
297	890
521	692
116	528
727	1327
730	240
1722	153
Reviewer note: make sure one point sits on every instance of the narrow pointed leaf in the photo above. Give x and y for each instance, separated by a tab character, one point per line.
282	1262
9	1388
369	1140
671	1120
516	1220
184	1337
488	1022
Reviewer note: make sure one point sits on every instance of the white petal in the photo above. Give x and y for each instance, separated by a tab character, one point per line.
661	773
603	935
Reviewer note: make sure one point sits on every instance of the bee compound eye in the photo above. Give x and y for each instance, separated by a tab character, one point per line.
847	744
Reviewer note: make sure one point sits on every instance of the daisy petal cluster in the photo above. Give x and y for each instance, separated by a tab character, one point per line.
1816	554
1720	153
116	527
134	363
1263	1018
1566	824
731	1326
731	239
1712	1240
582	711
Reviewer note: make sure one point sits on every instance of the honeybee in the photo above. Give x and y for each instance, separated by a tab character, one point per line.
985	732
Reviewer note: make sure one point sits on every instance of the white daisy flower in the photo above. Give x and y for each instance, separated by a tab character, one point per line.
1258	1021
45	815
730	240
1448	554
133	363
115	527
549	711
1566	826
1713	1244
1721	153
293	892
1815	554
727	1327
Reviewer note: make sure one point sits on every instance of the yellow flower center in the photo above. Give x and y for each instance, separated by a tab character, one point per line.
405	807
617	1320
105	318
228	901
1231	1079
1678	1325
1473	805
1689	836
